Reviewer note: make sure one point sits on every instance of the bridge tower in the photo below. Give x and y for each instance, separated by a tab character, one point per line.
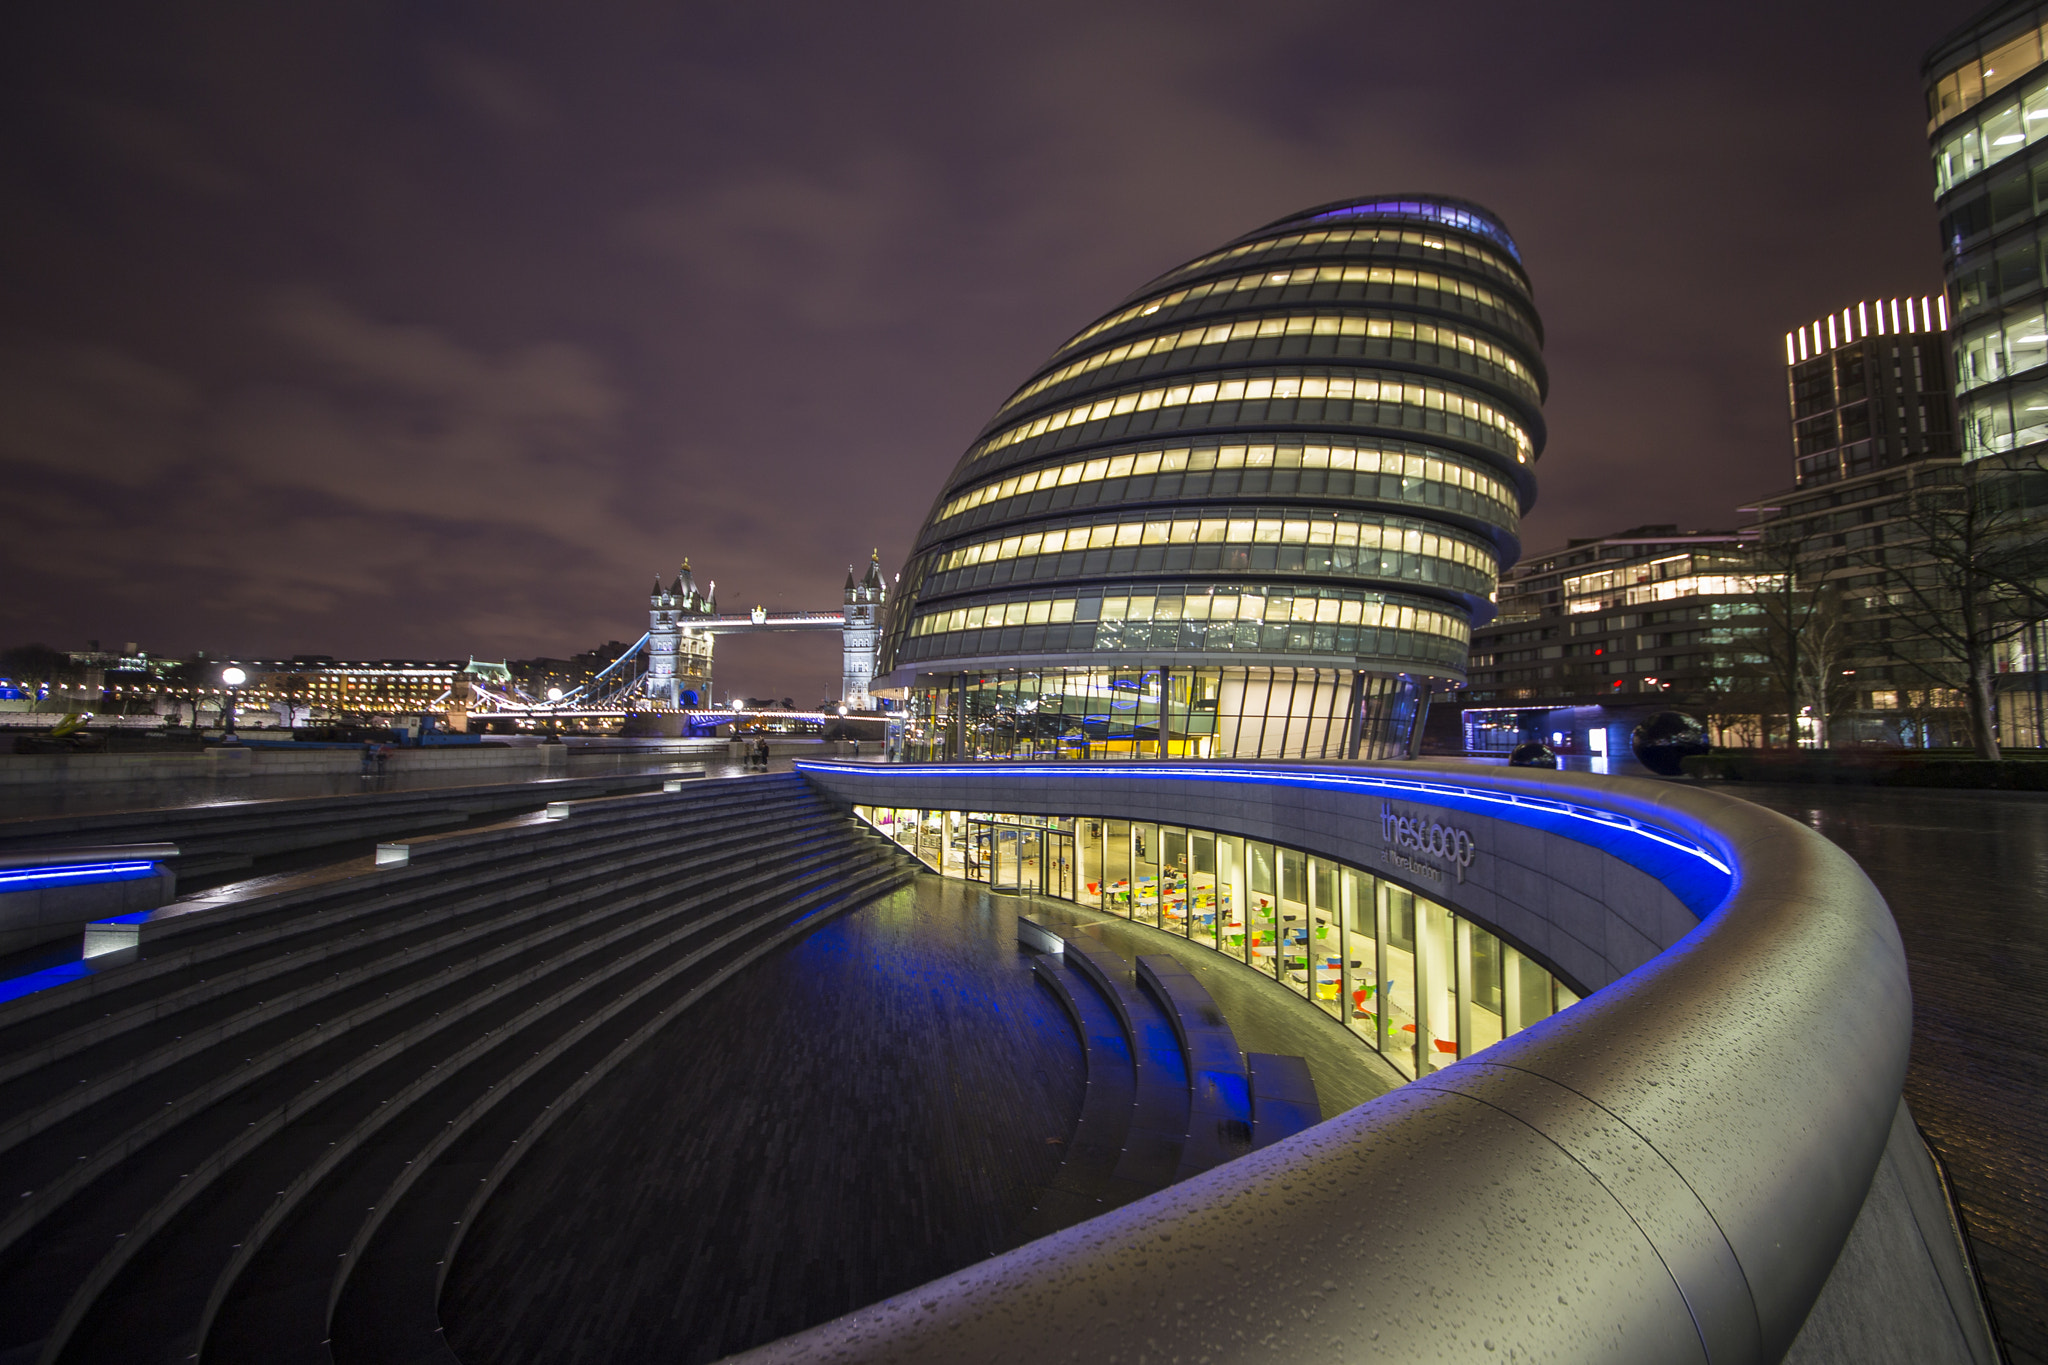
860	631
664	631
678	653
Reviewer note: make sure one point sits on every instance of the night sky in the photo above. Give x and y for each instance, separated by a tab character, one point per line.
434	330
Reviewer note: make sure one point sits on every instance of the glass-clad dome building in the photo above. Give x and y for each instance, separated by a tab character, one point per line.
1253	511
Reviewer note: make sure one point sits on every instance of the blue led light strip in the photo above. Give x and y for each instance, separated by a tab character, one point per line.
1419	790
28	879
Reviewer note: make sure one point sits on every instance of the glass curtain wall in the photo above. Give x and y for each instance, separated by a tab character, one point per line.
1147	713
1417	982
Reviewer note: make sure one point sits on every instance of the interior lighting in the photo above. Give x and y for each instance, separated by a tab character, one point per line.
1831	332
2008	140
1941	303
1926	313
1802	343
1790	357
1535	811
1895	315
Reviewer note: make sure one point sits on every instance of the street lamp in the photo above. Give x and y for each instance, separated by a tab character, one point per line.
231	677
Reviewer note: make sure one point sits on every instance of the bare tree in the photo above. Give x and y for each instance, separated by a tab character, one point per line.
1971	576
1804	636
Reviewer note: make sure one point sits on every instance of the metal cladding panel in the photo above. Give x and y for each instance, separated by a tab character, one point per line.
1666	1171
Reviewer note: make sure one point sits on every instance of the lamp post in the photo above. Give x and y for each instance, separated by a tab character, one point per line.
231	677
554	720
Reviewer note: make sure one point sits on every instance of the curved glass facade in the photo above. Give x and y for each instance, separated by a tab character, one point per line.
1252	511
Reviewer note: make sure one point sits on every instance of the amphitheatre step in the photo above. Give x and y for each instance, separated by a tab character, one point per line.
470	1060
1219	1092
1086	1183
190	1158
385	1309
1159	1108
201	1150
1283	1098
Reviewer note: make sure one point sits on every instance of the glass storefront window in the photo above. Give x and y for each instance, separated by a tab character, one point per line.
1203	921
1397	975
1173	879
1262	915
1525	994
1116	867
1479	988
1325	936
1232	897
1421	984
1361	956
1436	983
1146	891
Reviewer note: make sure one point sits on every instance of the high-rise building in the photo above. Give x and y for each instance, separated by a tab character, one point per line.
1870	388
1987	106
1252	511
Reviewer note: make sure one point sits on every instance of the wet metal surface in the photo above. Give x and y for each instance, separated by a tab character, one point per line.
869	1109
1966	875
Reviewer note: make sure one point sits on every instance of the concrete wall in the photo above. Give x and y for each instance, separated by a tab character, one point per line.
31	917
1686	1166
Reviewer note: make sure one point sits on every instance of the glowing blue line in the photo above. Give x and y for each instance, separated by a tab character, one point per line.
1420	790
62	876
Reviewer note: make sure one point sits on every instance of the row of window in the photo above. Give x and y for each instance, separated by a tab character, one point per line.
2002	347
2002	420
1342	236
1407	463
1285	325
1246	712
1990	139
1321	561
1421	985
1343	387
1983	75
1450	215
1347	644
1347	529
1271	604
1399	276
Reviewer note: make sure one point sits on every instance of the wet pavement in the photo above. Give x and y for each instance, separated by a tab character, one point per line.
857	1114
1966	874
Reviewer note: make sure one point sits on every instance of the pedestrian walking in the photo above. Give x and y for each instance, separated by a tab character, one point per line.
369	757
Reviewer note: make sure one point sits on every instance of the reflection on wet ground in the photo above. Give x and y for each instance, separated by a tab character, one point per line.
862	1112
1966	874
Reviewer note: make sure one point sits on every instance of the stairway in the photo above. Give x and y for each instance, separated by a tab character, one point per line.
207	1141
1169	1093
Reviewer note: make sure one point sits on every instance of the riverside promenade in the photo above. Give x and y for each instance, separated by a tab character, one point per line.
1966	876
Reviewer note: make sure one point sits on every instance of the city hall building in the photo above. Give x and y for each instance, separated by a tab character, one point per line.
1253	511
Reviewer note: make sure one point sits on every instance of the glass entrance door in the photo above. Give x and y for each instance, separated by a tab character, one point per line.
1059	864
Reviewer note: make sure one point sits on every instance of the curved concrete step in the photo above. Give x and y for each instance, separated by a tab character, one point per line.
233	1113
385	1306
1159	1104
1219	1092
243	1210
391	982
94	1067
1086	1183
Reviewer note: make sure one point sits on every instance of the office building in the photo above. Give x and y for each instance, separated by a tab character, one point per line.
1252	511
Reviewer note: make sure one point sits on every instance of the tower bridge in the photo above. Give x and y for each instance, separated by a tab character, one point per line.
668	669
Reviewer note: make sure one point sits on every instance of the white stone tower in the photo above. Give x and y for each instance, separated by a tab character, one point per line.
860	632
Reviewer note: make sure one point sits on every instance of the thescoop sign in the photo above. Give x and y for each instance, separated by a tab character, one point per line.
1412	834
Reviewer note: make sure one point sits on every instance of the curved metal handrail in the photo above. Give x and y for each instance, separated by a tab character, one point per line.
1665	1172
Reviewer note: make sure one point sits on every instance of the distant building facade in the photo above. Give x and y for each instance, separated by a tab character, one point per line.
1596	635
1870	388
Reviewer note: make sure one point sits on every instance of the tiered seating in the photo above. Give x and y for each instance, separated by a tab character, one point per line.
1169	1093
205	1140
222	838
